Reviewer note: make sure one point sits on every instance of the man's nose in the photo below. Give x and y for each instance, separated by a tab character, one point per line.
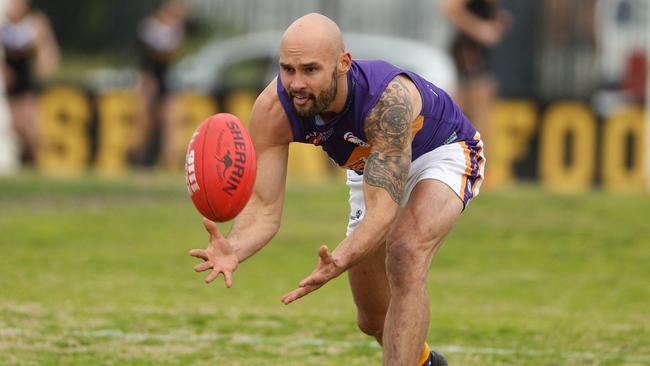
297	82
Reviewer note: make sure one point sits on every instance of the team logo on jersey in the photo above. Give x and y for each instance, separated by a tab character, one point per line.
318	138
349	137
451	138
315	138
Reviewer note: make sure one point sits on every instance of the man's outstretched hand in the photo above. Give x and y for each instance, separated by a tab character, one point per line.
218	256
326	270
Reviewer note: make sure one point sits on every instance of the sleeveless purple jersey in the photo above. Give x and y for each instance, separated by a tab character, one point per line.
343	138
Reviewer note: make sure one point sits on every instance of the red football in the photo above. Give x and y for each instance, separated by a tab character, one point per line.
220	167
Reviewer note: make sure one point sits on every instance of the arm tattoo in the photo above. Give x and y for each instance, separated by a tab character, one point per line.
388	128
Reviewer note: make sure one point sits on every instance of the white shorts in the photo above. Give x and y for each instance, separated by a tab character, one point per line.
459	165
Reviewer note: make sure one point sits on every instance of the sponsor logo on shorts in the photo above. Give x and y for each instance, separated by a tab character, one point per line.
356	215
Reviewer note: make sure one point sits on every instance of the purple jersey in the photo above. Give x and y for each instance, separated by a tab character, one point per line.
343	138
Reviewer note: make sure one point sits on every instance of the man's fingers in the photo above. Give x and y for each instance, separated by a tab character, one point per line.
212	275
227	276
313	279
228	279
293	295
323	253
211	228
203	266
199	253
288	298
297	293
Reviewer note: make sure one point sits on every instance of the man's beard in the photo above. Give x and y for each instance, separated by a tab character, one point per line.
320	103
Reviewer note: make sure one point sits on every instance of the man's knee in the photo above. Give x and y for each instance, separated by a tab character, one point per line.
372	325
407	262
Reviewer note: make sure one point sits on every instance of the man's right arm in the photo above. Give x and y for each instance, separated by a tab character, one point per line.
271	133
256	225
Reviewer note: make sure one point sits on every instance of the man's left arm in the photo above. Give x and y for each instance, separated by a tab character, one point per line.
388	129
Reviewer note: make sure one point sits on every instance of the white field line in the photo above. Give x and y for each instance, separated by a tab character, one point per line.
315	342
592	356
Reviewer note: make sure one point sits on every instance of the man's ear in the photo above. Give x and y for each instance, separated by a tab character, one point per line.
345	62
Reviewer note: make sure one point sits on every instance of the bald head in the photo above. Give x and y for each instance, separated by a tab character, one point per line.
314	32
313	63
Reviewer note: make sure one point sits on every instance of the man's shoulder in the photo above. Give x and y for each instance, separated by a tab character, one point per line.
268	115
268	100
402	91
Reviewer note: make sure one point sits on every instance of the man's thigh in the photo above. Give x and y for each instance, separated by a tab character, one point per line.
429	214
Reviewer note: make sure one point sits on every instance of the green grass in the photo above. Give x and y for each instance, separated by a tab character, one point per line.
97	273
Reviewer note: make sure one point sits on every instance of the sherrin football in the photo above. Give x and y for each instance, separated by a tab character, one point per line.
220	167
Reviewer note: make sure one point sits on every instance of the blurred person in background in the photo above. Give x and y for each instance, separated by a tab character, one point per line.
479	24
413	161
160	36
623	39
31	54
8	145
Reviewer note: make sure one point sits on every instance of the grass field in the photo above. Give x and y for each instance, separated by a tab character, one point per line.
97	273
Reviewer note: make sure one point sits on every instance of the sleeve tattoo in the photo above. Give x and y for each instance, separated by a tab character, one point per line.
388	128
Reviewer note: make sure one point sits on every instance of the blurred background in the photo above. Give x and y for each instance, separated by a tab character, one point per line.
98	100
556	87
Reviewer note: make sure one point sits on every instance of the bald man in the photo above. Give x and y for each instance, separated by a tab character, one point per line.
414	162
